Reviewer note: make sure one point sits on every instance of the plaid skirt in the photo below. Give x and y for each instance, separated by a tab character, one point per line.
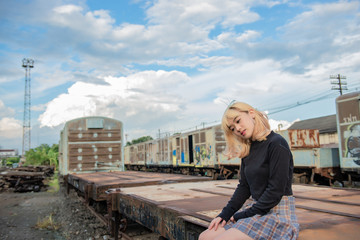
279	223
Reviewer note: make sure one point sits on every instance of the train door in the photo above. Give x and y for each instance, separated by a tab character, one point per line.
191	154
178	151
148	153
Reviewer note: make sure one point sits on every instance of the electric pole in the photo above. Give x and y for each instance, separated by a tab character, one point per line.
27	64
339	85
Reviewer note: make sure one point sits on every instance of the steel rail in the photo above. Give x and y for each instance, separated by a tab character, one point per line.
329	211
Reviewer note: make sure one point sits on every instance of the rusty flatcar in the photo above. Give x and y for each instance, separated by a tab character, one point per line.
91	144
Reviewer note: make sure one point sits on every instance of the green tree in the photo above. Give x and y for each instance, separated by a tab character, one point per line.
139	140
43	155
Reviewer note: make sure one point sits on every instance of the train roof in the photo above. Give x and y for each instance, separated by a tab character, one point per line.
326	124
348	96
88	118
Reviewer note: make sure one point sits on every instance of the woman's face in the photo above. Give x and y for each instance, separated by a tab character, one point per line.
243	124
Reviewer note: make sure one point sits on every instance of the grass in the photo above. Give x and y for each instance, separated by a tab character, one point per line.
47	223
54	183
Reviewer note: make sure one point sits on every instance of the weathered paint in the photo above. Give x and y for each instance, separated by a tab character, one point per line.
301	138
202	148
348	124
91	144
95	184
183	210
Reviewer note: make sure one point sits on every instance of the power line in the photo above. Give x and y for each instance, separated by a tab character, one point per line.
318	97
297	104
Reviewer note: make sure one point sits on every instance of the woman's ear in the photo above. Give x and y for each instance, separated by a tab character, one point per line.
252	113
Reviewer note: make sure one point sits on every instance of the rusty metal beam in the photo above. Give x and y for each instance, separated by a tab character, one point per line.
295	195
328	211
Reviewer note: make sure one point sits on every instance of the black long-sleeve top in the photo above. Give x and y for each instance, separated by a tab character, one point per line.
266	175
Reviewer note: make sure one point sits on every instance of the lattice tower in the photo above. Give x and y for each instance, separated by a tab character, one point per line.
27	64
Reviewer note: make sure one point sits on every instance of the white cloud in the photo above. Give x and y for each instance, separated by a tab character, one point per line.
67	9
280	125
38	108
138	96
10	128
228	13
5	111
96	58
186	25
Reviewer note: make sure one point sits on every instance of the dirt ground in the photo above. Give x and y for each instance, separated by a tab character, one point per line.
46	215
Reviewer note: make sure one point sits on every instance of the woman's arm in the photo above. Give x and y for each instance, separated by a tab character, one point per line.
280	163
241	194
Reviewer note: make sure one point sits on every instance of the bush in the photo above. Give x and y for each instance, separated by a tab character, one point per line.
11	160
43	155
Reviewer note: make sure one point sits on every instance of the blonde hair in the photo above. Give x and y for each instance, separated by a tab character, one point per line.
236	146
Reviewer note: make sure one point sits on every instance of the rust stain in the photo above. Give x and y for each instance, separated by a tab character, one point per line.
304	138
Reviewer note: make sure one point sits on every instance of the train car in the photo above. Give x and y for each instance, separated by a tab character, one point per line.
91	144
201	152
311	162
198	151
348	127
149	153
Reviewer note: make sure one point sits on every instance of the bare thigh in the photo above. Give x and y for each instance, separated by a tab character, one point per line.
233	234
211	234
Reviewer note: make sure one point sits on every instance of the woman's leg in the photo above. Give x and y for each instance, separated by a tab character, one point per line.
211	234
233	234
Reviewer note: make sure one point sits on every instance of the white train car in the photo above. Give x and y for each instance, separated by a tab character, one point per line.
199	152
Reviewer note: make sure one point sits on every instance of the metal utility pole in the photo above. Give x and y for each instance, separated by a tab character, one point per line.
27	64
341	85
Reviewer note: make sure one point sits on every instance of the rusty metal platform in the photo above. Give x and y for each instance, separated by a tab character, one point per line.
182	210
94	185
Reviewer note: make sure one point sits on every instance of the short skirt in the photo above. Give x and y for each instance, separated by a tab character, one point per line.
279	223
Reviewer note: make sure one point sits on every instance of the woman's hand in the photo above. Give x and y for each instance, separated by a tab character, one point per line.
215	223
232	220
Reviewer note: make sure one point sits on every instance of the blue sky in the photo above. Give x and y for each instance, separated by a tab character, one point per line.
171	65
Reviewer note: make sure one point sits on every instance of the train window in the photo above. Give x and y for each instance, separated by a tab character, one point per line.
96	123
165	145
177	141
202	137
196	138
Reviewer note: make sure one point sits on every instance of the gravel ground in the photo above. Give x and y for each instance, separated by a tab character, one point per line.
63	217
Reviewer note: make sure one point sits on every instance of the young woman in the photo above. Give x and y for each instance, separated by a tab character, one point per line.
266	176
